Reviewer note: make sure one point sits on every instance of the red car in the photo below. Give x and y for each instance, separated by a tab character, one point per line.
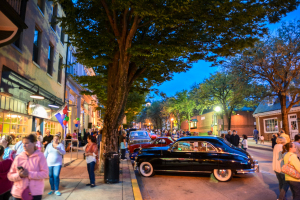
158	142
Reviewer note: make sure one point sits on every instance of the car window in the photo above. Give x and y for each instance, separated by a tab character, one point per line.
203	146
183	146
138	134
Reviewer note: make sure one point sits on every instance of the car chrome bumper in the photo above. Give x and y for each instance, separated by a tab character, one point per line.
249	171
134	166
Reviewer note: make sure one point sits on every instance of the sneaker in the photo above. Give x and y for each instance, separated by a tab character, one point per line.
88	184
57	193
92	185
51	192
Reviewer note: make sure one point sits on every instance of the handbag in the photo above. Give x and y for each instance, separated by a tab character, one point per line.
26	194
290	170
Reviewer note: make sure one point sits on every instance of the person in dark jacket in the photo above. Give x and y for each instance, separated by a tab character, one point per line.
234	139
273	141
227	137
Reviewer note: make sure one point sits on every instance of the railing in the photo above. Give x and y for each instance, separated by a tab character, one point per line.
19	6
72	147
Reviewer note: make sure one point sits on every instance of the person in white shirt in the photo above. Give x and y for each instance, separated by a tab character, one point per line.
245	142
277	165
53	153
262	139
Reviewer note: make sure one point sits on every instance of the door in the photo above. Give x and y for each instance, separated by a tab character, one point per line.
205	157
179	158
293	124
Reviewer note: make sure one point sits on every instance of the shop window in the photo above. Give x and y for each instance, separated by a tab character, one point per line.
193	124
271	125
54	127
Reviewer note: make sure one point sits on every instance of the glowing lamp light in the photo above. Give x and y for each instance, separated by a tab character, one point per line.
237	114
37	95
53	105
217	109
172	119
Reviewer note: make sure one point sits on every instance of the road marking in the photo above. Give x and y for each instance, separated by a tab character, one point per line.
135	187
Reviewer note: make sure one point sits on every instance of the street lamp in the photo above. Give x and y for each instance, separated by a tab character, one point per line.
171	123
217	108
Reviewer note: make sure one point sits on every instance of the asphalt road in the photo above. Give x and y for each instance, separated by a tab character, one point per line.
258	186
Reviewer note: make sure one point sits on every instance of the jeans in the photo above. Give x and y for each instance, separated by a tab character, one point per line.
123	153
295	188
90	168
283	185
37	197
255	140
5	196
54	172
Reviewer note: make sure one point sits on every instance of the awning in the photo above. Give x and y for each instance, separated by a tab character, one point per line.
194	120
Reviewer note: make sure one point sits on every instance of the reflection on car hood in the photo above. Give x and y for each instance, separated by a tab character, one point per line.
165	148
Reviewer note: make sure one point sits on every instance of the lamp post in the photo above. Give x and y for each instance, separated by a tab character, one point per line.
219	110
171	124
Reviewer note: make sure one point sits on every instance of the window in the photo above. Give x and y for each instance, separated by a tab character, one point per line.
17	43
161	141
193	124
62	35
36	45
53	17
53	127
203	146
50	60
60	62
271	125
41	4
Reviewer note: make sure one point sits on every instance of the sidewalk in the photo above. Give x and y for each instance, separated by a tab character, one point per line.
74	177
266	146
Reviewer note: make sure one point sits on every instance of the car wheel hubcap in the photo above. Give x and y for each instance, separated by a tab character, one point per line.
223	173
146	169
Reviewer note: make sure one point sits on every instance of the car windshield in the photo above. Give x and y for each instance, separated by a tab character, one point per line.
226	142
138	134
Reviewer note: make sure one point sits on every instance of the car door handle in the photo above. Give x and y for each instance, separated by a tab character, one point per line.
189	153
214	154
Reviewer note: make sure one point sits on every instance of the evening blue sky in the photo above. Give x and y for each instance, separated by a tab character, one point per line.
202	69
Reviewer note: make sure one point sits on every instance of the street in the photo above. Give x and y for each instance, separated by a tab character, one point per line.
263	185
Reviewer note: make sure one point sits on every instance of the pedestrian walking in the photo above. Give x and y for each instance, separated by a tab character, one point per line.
5	141
292	159
262	139
123	145
227	137
297	143
99	138
53	154
277	165
255	134
39	136
91	156
223	135
47	139
287	137
28	171
234	139
274	138
245	142
209	132
5	184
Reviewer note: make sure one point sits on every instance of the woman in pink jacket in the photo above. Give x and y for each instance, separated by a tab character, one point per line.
28	171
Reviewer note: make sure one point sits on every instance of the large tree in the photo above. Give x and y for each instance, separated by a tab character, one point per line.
230	92
145	41
275	61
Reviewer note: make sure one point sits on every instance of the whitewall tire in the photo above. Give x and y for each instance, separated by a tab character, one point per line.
222	175
146	169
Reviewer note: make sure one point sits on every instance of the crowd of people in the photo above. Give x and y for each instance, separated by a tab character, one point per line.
24	167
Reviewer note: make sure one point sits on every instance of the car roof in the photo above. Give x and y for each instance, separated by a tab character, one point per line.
209	137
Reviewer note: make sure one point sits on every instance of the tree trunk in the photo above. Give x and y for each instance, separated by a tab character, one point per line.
189	118
284	113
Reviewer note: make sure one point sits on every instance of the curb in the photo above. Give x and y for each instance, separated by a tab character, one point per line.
262	148
135	187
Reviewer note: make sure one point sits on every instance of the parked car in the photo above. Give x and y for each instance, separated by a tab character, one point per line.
158	142
210	154
137	137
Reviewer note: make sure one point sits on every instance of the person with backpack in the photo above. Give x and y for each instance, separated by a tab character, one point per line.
53	153
277	165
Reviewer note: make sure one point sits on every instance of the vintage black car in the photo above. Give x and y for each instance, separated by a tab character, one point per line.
211	154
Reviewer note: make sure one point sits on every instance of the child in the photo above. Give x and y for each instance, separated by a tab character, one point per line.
262	139
245	143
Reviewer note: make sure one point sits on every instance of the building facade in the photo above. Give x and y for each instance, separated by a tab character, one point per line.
243	122
31	67
269	120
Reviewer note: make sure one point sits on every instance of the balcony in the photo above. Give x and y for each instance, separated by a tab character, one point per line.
12	23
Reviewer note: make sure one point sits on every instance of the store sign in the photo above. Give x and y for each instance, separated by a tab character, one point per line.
39	111
202	118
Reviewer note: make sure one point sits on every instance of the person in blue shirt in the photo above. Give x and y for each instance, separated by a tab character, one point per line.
5	141
255	135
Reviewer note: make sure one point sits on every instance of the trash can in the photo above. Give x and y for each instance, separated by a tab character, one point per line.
111	167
